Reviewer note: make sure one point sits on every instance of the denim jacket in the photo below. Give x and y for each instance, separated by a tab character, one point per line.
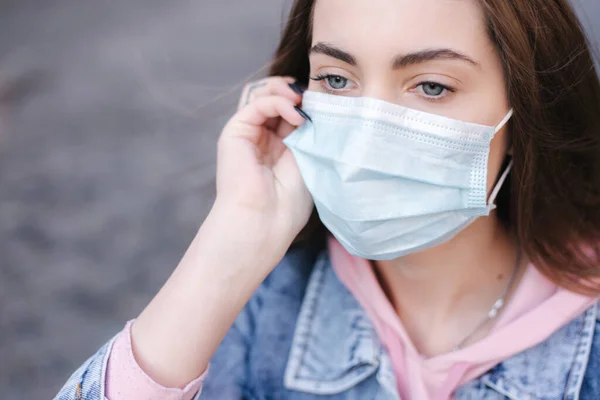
303	336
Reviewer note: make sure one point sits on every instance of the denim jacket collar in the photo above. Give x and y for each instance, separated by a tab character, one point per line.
554	369
335	347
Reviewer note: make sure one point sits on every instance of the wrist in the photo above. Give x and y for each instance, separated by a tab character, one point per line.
241	237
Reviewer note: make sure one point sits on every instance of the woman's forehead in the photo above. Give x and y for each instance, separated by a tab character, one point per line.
384	27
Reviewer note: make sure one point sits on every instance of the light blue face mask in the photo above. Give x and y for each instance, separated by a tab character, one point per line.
387	180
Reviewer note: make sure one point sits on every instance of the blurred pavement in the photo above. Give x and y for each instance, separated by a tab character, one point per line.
107	161
107	168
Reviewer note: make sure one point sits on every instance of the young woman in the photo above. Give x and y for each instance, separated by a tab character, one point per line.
452	151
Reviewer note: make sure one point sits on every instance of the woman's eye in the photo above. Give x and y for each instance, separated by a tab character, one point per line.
336	82
432	89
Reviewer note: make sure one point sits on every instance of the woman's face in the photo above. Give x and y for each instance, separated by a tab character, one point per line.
431	55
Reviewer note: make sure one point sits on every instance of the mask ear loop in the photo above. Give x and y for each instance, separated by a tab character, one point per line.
504	120
494	194
498	186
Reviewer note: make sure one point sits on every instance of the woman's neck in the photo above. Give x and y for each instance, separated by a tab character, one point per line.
444	293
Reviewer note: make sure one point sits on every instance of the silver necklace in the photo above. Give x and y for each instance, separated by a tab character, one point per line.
498	305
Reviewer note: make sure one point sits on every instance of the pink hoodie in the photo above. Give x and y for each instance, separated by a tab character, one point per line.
537	310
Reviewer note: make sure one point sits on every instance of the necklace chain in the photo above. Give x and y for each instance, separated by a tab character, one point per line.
498	304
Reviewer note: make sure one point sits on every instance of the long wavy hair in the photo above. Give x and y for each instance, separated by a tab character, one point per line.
552	199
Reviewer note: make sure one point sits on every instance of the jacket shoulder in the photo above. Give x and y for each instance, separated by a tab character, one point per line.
590	388
251	359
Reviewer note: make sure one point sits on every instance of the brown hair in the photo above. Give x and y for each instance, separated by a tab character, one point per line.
552	201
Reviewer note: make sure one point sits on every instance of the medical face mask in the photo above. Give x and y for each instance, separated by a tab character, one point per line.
387	180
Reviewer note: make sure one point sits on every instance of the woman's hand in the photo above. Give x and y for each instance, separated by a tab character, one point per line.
256	172
261	205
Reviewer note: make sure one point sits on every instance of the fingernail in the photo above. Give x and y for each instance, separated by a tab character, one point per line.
296	88
302	113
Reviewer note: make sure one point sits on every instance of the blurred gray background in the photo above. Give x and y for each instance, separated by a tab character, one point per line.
111	114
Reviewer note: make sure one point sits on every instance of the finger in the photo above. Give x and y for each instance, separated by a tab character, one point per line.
276	87
288	173
247	91
284	129
257	113
267	87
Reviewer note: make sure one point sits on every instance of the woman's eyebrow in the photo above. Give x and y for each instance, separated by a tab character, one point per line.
400	61
422	56
332	51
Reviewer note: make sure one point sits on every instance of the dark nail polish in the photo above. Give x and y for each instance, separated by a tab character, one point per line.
302	113
297	88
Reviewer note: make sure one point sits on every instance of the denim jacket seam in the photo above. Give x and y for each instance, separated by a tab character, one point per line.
105	366
582	355
79	389
85	375
506	387
304	325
